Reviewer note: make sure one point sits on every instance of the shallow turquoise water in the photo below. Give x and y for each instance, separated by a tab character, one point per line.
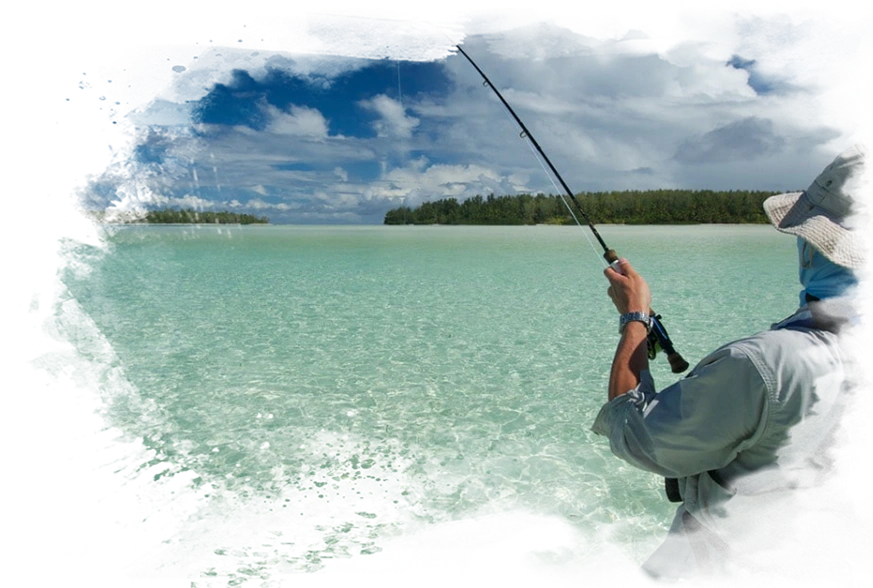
353	383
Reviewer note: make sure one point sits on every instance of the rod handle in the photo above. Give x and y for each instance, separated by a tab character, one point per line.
611	258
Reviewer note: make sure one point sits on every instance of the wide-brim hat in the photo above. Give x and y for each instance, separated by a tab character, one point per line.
823	213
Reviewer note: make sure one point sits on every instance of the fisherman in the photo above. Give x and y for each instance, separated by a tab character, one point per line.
751	422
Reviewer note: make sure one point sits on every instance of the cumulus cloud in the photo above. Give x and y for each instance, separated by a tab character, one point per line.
606	110
740	140
393	121
338	200
159	134
186	200
420	180
762	55
150	183
733	106
205	128
258	204
244	130
300	121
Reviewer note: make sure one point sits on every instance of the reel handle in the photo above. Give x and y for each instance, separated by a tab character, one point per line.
658	336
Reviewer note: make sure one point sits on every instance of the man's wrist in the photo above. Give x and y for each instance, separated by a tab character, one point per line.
635	317
635	328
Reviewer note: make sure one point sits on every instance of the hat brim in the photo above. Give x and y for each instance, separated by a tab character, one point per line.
795	214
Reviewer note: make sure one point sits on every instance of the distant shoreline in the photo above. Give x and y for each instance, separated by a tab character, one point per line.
650	207
174	216
370	225
192	224
569	224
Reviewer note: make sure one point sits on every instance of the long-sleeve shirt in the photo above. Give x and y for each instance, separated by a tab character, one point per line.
758	412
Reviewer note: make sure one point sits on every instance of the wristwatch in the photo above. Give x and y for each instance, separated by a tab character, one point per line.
635	316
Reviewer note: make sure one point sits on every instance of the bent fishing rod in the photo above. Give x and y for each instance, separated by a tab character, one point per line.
658	338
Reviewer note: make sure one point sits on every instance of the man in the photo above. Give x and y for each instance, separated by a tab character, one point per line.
752	420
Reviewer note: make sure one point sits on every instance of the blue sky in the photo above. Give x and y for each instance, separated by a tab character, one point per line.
343	136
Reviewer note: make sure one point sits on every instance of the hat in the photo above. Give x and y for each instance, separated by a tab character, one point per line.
820	215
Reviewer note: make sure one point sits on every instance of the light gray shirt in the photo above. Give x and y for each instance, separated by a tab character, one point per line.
759	410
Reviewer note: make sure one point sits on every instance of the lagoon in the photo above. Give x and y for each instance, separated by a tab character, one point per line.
328	391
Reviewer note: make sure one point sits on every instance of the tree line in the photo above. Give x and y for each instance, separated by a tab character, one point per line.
647	207
189	216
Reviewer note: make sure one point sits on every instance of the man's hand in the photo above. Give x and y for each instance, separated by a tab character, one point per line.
628	290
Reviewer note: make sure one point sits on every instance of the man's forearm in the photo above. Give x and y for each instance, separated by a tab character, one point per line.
631	358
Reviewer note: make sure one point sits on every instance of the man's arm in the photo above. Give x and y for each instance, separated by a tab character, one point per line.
631	358
629	293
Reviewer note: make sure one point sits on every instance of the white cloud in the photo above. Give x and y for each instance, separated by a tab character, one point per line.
258	204
300	121
205	128
761	55
86	197
150	183
394	123
599	114
419	181
159	134
646	108
186	200
338	199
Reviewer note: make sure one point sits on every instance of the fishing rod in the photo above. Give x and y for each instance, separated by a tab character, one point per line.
658	338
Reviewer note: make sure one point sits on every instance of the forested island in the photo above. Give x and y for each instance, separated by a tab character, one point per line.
191	216
649	207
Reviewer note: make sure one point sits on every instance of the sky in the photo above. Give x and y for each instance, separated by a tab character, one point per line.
338	117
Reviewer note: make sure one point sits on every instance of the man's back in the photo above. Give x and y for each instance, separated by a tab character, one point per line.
760	410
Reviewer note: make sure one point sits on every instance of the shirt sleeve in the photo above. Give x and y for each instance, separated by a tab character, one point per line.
698	424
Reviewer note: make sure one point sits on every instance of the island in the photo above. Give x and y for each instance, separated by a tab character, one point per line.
168	216
649	207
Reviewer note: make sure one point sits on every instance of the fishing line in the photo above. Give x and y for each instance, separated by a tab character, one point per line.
525	134
609	254
567	204
657	337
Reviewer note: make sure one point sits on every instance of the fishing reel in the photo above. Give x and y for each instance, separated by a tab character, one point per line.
652	343
659	340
